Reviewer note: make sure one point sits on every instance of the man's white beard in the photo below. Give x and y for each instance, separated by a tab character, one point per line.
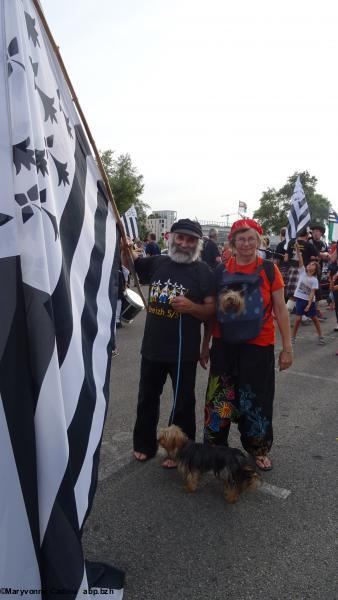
183	256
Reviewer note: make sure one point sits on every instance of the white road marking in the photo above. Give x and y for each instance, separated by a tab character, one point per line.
310	375
274	490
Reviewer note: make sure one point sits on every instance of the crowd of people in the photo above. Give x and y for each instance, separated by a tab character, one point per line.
238	293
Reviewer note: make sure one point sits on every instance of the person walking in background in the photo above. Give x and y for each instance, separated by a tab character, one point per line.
308	253
152	248
210	253
226	253
333	278
305	295
318	231
279	256
139	246
265	250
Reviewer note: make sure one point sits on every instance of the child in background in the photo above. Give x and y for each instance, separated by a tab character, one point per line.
305	295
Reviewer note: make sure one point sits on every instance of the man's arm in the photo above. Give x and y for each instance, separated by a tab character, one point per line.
299	255
205	352
202	312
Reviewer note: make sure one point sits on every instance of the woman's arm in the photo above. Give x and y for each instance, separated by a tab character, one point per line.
282	317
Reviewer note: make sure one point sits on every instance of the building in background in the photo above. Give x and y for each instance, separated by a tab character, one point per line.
160	222
222	228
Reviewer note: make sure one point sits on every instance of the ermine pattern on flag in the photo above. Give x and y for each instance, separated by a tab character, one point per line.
59	255
129	220
299	214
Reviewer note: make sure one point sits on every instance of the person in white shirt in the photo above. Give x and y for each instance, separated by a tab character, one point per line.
305	295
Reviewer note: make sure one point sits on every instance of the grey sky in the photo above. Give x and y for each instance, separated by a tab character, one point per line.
215	101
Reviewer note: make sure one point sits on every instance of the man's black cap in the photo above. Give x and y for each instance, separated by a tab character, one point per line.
187	227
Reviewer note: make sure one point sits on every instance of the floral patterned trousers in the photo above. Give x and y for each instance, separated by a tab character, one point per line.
240	389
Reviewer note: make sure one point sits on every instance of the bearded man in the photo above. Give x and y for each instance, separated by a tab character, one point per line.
181	297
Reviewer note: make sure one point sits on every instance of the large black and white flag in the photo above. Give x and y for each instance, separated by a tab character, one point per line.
58	289
129	220
299	214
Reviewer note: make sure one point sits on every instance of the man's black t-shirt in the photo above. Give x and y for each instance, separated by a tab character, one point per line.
209	253
307	249
280	252
333	269
320	245
168	279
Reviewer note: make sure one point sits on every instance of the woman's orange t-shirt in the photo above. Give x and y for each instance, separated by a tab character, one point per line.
267	333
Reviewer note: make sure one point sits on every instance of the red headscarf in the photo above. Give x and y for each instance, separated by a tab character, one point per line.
245	224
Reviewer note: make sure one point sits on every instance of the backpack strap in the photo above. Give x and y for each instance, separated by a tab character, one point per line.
267	266
269	270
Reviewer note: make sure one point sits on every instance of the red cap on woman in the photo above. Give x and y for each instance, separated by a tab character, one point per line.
245	224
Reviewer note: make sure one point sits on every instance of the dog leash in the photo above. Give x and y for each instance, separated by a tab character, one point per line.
178	369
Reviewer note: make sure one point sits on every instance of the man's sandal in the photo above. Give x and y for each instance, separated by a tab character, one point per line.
168	463
140	456
263	463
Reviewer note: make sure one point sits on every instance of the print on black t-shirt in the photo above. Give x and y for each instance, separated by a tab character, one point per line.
161	295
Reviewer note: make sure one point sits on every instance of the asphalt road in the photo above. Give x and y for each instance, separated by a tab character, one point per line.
278	543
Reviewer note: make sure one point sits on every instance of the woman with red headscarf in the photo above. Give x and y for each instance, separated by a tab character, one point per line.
242	373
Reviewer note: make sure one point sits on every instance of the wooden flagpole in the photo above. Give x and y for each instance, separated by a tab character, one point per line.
93	145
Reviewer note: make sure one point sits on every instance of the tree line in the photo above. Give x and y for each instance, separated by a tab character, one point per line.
127	186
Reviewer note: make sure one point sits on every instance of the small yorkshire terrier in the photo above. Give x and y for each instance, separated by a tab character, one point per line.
231	300
193	460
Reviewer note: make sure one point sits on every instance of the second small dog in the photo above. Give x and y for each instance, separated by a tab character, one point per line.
229	464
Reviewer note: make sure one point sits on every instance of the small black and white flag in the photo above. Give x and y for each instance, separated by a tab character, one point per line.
242	208
59	256
299	214
129	220
333	217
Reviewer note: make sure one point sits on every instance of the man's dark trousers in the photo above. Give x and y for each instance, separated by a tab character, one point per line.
152	380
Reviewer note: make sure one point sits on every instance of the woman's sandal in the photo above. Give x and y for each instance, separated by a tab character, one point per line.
263	463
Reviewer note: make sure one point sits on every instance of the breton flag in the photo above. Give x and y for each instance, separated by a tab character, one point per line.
299	215
58	291
129	220
333	217
333	225
242	208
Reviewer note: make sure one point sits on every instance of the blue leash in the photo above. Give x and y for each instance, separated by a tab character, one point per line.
178	369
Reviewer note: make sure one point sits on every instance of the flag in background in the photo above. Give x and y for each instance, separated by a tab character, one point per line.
242	209
333	217
299	214
129	220
333	225
59	252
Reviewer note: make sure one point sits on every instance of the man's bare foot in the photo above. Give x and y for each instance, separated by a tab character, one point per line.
169	464
140	456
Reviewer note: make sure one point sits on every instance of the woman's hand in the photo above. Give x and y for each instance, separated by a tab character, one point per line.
307	308
285	359
204	356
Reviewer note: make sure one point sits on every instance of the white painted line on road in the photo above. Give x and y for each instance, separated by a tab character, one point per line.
303	374
274	490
